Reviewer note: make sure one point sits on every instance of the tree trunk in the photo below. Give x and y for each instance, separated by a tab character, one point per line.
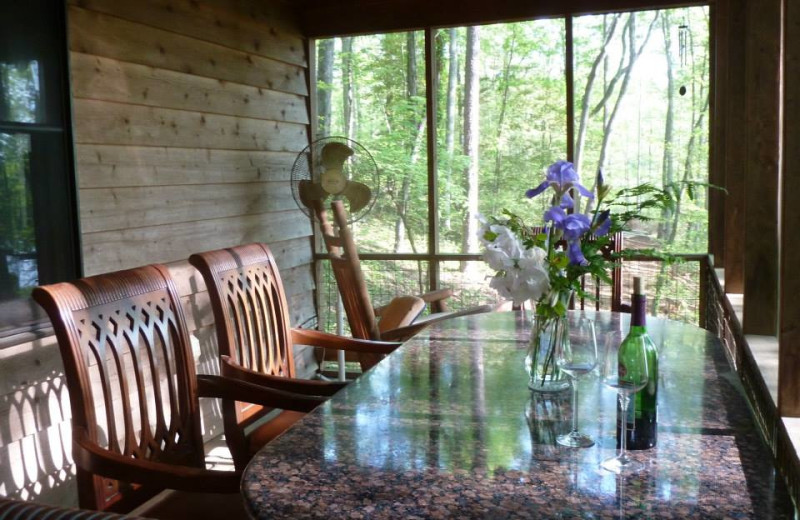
324	82
580	141
450	128
471	138
509	56
668	162
348	88
401	224
625	74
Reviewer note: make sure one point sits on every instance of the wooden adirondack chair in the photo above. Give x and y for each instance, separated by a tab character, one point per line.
400	319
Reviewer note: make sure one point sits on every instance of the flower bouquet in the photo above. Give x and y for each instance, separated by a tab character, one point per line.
545	263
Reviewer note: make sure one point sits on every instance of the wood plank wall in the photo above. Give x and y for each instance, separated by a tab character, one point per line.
188	115
762	165
789	310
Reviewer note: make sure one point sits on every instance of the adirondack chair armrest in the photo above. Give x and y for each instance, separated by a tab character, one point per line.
436	299
316	338
407	332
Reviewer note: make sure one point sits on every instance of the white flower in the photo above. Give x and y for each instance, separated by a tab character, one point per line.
506	241
521	273
497	258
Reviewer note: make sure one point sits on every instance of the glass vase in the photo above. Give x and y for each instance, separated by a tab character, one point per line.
547	419
545	376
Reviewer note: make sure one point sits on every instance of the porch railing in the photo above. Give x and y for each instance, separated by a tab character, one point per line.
678	290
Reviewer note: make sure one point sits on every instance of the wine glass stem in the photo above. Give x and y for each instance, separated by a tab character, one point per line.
624	399
574	405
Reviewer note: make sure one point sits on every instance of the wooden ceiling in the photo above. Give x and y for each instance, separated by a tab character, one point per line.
325	18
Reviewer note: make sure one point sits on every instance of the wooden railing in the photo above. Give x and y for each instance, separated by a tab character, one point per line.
678	290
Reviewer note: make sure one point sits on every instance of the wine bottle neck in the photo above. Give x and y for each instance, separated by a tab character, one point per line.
638	310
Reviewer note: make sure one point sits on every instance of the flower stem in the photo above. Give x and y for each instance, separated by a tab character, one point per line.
550	359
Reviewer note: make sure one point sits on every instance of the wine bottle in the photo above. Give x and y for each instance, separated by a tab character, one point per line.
641	424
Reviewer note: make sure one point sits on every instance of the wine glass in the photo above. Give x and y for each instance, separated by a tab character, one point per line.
624	370
576	355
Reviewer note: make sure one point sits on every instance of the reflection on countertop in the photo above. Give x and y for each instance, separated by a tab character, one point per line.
446	427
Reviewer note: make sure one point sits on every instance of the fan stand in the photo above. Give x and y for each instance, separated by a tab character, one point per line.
340	332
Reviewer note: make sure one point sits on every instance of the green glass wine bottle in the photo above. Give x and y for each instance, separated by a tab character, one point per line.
641	425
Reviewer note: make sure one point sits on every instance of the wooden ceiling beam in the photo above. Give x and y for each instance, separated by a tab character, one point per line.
322	19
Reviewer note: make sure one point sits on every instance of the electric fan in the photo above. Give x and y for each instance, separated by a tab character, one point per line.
335	168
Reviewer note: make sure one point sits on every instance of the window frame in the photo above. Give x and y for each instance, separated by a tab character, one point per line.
56	210
433	257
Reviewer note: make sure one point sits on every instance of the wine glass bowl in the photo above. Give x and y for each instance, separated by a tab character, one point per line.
625	371
577	356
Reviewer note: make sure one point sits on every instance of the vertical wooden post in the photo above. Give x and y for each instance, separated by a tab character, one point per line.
719	82
733	114
763	140
431	86
569	76
311	108
789	329
704	266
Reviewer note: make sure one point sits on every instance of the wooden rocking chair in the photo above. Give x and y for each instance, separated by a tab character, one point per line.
255	339
134	394
400	319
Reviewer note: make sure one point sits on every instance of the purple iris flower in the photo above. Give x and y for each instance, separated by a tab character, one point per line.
575	254
603	223
573	227
561	175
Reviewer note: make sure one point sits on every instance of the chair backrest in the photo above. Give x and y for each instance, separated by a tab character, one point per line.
614	247
346	267
130	373
250	309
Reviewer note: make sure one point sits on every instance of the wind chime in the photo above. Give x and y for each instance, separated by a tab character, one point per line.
683	43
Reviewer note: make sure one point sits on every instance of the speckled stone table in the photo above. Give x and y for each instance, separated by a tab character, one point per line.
446	427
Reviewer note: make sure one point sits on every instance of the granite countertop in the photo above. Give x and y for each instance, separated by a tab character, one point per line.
446	427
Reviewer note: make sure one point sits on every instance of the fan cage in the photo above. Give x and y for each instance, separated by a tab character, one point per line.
361	167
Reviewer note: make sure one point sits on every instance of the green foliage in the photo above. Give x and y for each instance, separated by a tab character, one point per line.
19	99
523	128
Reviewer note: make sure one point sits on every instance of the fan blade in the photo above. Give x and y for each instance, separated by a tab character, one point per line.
358	194
334	155
309	192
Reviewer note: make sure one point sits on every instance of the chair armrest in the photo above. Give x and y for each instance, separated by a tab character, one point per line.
436	299
400	312
229	369
407	332
234	389
403	334
316	338
438	295
94	459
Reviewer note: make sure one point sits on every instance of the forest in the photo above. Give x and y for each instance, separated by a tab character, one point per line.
640	87
640	84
